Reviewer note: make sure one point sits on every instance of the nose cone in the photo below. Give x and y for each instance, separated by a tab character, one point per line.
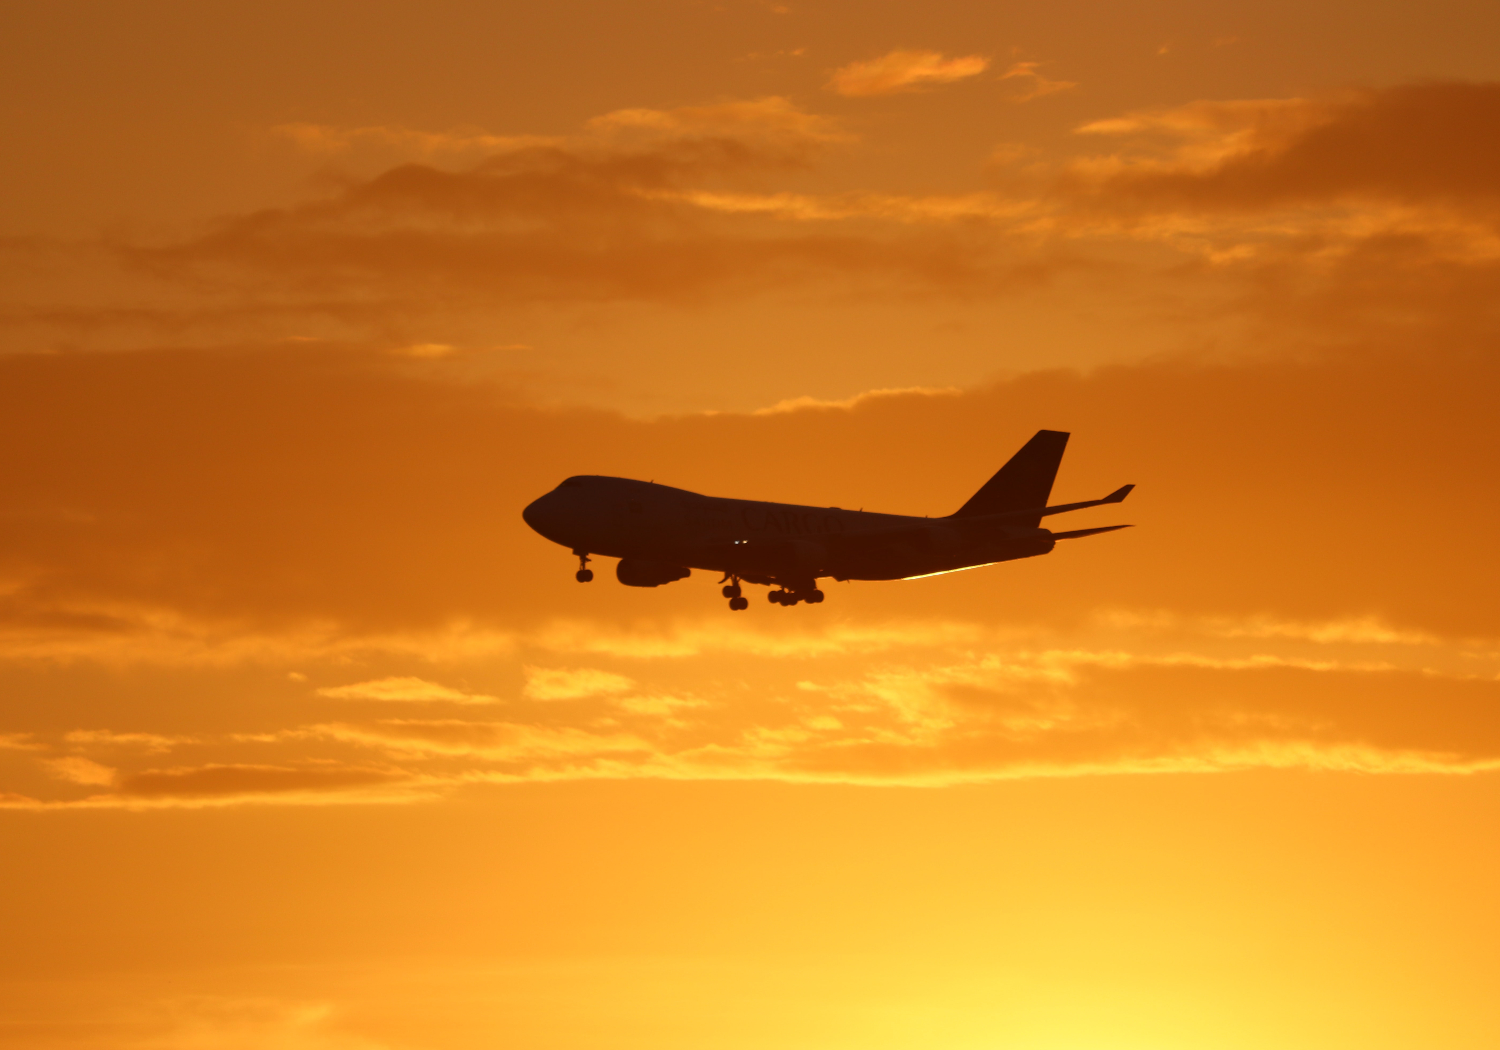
534	513
542	515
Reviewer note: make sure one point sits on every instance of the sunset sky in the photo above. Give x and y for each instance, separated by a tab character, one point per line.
308	742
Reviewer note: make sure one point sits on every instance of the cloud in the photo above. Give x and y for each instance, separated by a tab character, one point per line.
404	691
219	784
426	351
659	706
1414	143
598	216
931	704
693	206
251	781
1035	85
772	126
542	225
904	71
80	770
134	741
644	207
694	638
329	139
802	404
1011	713
547	752
545	683
1365	630
200	1022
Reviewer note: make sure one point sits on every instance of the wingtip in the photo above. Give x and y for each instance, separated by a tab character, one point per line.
1119	494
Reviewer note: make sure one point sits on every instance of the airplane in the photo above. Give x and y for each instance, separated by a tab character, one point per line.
660	533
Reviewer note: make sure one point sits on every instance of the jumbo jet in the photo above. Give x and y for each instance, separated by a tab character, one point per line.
661	533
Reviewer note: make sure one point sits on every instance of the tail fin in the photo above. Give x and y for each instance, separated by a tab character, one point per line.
1024	482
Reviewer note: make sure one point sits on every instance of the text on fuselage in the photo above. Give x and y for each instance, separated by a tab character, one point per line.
791	522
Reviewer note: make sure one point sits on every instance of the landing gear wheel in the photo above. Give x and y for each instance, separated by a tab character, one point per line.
584	575
732	591
775	597
815	596
738	603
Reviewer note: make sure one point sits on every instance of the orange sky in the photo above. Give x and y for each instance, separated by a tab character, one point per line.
309	742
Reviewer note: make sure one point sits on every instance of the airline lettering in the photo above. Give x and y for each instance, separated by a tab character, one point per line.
791	523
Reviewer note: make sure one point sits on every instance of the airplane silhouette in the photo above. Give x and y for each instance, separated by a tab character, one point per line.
660	533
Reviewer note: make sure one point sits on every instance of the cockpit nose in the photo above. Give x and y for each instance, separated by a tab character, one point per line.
533	513
541	514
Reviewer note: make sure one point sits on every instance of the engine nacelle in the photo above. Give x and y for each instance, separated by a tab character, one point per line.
638	572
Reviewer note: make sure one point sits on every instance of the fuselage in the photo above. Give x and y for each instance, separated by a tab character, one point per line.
760	542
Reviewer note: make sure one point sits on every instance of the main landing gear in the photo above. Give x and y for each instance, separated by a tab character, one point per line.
584	573
791	598
737	600
781	596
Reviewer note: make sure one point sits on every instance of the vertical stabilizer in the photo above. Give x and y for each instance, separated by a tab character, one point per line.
1024	482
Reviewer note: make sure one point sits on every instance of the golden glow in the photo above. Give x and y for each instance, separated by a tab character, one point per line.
945	572
308	741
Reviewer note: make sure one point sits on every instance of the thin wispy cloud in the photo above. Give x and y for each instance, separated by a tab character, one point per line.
1033	84
331	139
900	71
80	770
545	683
404	691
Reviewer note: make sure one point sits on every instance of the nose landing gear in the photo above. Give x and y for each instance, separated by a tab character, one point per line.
584	573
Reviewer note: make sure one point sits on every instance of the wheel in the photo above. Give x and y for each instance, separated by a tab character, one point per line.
731	590
774	597
584	575
738	603
815	596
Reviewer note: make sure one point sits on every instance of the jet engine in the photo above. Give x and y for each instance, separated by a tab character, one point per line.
638	572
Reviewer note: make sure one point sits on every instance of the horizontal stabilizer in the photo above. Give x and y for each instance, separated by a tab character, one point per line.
1024	517
1076	533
